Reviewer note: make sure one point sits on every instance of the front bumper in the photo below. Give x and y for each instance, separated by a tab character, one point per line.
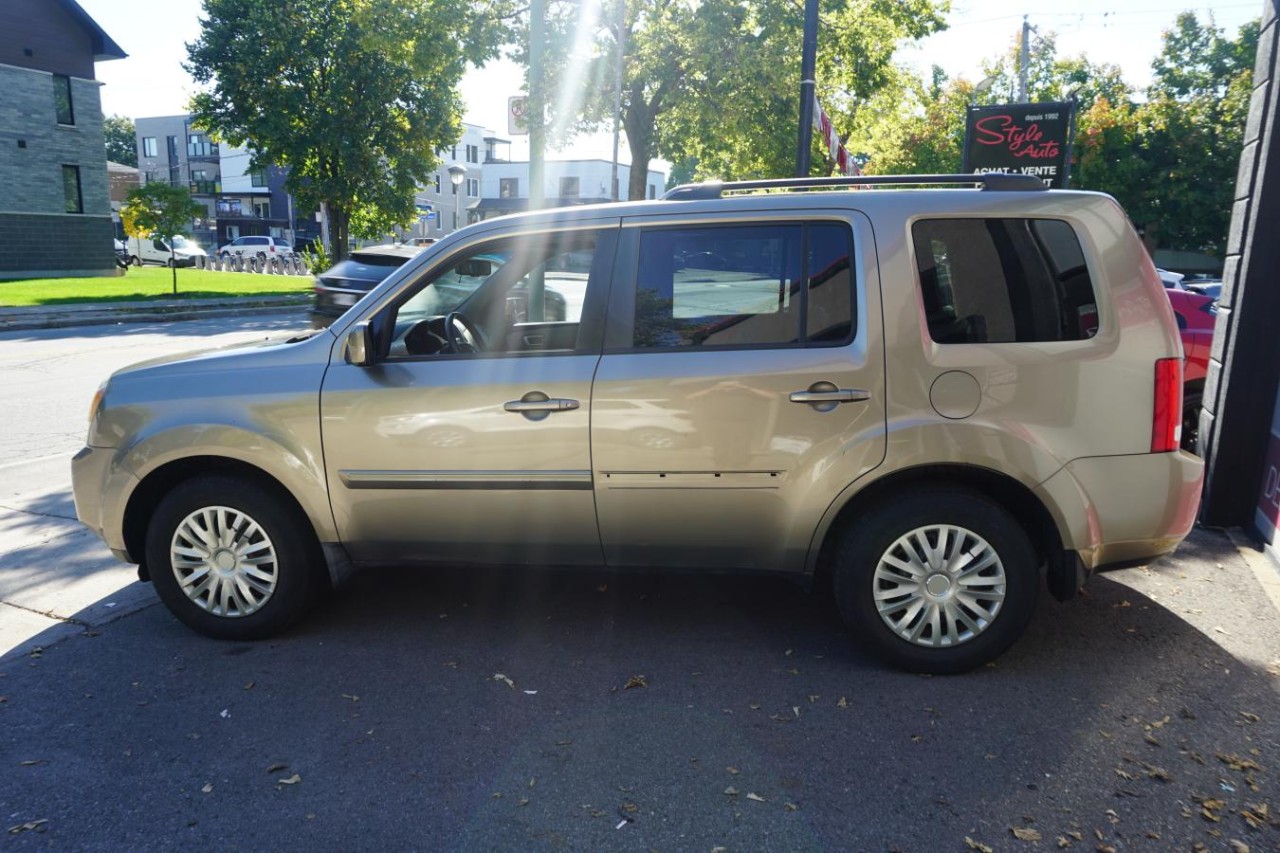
97	486
1125	509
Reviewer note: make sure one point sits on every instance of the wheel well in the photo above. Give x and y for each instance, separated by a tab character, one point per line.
1013	497
157	484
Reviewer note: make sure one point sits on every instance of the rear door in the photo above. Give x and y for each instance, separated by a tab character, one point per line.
742	387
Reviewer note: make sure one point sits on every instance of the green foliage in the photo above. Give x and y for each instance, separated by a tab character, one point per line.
316	258
355	97
713	85
160	210
121	140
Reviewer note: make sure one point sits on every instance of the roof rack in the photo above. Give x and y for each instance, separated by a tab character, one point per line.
1002	181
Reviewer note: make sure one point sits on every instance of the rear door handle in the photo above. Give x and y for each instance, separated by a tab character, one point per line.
837	395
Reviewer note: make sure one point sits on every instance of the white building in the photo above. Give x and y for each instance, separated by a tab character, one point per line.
505	186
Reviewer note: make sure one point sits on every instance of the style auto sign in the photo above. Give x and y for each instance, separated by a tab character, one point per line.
1029	139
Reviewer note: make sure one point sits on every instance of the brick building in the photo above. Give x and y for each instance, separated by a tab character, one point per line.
55	213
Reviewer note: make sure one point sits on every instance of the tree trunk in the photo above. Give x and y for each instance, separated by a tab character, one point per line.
339	226
639	126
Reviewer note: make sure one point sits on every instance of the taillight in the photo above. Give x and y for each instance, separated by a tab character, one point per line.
1166	417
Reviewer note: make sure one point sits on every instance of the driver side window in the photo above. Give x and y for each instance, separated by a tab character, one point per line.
509	296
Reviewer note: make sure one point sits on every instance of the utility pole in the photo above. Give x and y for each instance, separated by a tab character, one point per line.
808	59
617	92
1024	61
537	106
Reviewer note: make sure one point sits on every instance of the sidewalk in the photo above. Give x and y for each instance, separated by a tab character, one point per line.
150	311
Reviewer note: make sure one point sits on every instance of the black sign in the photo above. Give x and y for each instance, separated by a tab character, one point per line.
1028	139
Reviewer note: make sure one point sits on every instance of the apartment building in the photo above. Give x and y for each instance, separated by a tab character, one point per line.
55	211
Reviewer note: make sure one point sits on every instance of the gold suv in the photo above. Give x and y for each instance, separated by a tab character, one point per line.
942	396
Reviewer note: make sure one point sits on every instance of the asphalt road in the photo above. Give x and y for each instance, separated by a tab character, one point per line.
481	710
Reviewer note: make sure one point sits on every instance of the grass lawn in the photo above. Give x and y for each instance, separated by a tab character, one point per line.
148	283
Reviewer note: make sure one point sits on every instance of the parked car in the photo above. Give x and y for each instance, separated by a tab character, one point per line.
253	246
346	282
1196	315
1206	286
156	250
941	399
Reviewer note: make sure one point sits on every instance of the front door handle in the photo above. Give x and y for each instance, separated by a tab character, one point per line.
551	404
535	405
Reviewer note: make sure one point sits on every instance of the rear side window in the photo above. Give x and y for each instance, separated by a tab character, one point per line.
1004	281
745	285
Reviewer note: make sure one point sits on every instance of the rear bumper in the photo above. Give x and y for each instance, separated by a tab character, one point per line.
1125	509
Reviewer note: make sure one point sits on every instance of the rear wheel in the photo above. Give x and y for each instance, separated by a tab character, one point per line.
937	582
231	560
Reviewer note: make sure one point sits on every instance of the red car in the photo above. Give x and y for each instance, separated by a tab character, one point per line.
1196	315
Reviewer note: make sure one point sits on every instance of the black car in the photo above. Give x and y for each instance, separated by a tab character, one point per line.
346	282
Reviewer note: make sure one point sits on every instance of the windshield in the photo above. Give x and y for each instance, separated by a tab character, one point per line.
180	242
453	286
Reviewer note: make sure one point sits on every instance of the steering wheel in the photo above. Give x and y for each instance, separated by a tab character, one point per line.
466	340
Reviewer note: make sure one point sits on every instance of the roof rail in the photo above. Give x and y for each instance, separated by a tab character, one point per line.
1004	181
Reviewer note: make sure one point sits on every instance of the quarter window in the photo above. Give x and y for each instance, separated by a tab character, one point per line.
1004	281
745	286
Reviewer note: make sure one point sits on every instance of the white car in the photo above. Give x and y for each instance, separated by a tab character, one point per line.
250	246
156	250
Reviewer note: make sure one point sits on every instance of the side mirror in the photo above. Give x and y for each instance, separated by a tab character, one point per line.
360	346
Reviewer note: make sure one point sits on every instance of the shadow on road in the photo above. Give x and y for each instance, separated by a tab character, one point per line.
465	709
270	321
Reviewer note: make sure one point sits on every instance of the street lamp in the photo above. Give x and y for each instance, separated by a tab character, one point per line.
457	174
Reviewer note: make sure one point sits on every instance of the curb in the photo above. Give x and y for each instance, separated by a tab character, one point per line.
1264	568
99	314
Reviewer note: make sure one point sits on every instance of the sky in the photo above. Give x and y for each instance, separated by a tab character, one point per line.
151	81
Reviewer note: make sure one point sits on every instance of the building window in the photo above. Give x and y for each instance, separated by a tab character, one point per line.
148	146
453	153
199	175
172	143
473	187
653	191
568	187
71	189
473	153
437	182
258	179
62	99
262	209
508	188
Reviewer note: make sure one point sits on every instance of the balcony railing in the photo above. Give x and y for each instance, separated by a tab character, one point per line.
205	187
202	149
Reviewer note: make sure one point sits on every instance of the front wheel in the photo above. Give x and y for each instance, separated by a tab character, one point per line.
231	560
937	582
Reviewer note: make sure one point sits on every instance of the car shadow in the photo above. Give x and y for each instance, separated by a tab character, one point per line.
487	709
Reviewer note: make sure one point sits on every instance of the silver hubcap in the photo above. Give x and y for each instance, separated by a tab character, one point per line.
224	561
939	585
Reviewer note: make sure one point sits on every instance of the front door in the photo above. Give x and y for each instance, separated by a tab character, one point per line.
741	389
469	441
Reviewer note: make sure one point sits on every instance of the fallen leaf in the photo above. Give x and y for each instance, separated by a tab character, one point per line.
843	703
226	715
1025	833
36	825
733	771
1222	630
813	698
32	763
755	707
795	709
1064	842
249	686
208	788
1235	762
977	845
791	807
756	797
531	693
628	809
523	801
1160	724
1123	774
731	791
1238	846
1158	773
292	780
497	676
1257	815
351	697
635	681
1253	718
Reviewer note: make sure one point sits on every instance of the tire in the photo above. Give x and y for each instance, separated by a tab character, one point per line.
135	260
1191	403
171	263
949	645
290	559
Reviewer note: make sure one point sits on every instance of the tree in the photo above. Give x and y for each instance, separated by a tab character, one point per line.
121	140
158	210
355	97
713	84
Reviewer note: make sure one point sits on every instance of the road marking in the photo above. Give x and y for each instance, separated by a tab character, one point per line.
21	462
